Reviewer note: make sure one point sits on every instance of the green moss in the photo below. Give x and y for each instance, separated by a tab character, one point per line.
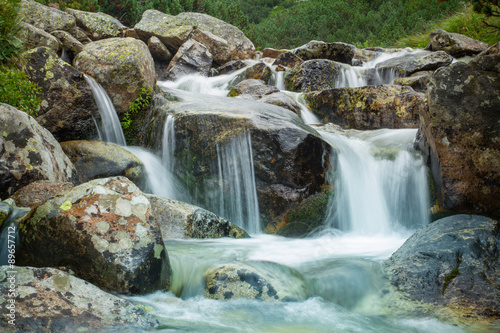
233	93
453	274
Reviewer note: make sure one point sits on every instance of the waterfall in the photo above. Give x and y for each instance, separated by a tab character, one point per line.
110	129
168	144
380	186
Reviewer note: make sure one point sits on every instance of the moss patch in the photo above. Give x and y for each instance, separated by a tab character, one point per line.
453	274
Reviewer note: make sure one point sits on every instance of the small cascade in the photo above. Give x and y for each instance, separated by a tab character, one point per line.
307	116
110	129
380	186
278	79
168	144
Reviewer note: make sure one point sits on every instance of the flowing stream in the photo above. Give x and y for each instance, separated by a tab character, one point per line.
381	198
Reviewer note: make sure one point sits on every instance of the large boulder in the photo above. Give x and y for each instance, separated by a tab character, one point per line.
105	232
97	25
455	44
254	280
46	18
340	52
460	132
50	300
368	108
98	159
414	62
34	37
68	107
289	158
452	262
311	75
218	47
123	66
191	58
28	153
37	192
180	220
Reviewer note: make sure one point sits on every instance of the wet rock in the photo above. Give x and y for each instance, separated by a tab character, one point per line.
415	62
364	55
50	300
33	37
104	231
287	59
68	106
455	44
460	133
370	107
272	53
180	220
418	81
98	159
218	47
339	52
97	25
253	87
254	280
191	58
231	66
29	153
158	50
452	262
313	75
259	71
46	18
38	192
283	100
69	43
123	66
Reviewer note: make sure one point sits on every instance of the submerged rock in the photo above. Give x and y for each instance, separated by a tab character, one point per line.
368	108
180	220
98	159
452	262
97	25
415	62
68	107
191	58
50	300
29	153
123	66
105	232
254	280
456	45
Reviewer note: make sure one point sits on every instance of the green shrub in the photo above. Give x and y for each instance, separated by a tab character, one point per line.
10	45
17	90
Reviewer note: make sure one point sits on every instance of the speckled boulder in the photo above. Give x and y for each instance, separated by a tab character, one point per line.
28	153
97	25
254	280
33	37
191	58
452	262
340	52
104	231
123	66
36	193
68	107
46	18
415	62
455	44
369	108
50	300
98	159
180	220
311	75
287	59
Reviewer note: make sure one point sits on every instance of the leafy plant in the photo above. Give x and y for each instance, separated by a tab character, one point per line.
17	90
10	45
137	105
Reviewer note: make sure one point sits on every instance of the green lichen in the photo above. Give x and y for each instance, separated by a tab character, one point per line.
453	274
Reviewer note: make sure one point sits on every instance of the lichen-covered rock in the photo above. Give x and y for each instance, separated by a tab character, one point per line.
311	75
254	280
180	220
340	52
37	192
460	135
218	47
123	66
287	59
452	262
370	107
191	58
46	18
455	44
418	81
272	53
28	153
50	300
364	55
158	50
104	231
33	37
68	106
69	43
81	36
97	25
415	62
98	159
259	71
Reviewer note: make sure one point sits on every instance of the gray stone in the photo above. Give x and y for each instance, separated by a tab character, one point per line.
46	18
455	44
158	50
69	43
191	58
97	25
311	75
33	37
340	52
218	47
415	62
